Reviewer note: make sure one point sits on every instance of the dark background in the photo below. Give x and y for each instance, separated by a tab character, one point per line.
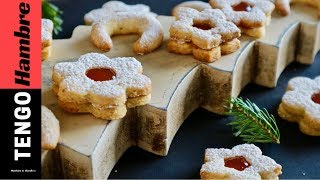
298	154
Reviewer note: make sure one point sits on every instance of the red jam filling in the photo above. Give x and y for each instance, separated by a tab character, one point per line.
239	163
100	74
242	7
316	98
203	26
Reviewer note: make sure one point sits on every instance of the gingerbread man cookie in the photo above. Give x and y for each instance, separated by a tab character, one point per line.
301	104
197	5
251	16
111	8
206	34
101	86
50	129
241	162
283	6
46	37
127	23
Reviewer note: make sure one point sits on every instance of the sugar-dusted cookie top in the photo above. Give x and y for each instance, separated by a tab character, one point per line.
111	8
304	92
101	86
50	129
46	32
197	5
301	103
120	74
206	29
147	26
241	162
245	13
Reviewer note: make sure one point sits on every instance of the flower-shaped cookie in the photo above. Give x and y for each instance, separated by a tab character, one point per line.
241	162
102	86
245	13
301	103
206	29
111	8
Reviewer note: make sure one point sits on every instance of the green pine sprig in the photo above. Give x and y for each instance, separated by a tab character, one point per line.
251	123
52	12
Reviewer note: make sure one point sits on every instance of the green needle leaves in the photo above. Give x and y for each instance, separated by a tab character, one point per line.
251	123
52	12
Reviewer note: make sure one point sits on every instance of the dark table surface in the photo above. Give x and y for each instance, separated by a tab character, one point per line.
298	154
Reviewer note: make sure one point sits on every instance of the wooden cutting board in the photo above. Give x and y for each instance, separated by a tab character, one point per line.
90	147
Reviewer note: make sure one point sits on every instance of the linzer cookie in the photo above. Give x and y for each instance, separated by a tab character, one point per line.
241	162
206	34
283	6
101	86
127	23
46	37
251	16
197	5
50	129
111	8
301	104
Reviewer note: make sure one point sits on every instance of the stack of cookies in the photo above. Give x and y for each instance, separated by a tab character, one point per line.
101	86
46	38
206	34
251	16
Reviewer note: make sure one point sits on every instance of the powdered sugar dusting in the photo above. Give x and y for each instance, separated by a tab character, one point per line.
259	163
111	8
46	29
128	22
221	30
128	74
50	129
120	6
78	84
65	69
197	5
300	91
107	89
257	16
317	79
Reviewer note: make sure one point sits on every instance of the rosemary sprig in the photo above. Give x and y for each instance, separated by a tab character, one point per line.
251	123
52	12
